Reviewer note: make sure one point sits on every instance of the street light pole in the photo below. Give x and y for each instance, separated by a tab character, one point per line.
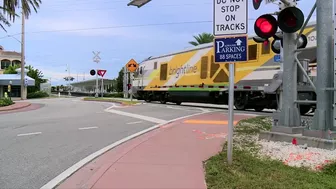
23	91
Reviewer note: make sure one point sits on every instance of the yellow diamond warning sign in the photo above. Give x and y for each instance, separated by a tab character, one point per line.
132	65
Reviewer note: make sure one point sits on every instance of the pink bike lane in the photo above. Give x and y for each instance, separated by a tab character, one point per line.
171	156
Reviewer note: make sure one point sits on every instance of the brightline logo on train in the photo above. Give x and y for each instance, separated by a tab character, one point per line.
182	70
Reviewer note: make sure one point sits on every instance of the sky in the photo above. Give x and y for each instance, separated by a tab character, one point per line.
65	32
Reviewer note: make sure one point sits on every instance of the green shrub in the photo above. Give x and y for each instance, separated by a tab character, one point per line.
37	94
114	95
6	102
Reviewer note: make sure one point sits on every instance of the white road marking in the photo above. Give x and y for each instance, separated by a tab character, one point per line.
136	122
146	118
27	134
54	182
86	128
204	110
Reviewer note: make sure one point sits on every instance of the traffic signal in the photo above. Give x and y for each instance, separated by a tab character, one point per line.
256	4
290	19
93	72
265	26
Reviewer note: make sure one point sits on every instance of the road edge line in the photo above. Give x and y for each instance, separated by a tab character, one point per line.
71	170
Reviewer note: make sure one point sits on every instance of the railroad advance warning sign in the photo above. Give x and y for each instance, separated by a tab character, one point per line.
230	17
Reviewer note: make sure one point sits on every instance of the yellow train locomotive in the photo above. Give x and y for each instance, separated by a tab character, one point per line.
191	75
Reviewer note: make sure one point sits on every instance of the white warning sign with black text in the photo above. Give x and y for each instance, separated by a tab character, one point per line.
230	17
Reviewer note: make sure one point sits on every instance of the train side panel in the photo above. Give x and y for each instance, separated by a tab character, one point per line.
193	76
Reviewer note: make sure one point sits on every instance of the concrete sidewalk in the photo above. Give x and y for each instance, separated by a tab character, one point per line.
169	157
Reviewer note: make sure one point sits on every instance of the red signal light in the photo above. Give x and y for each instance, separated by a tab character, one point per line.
266	26
256	4
290	19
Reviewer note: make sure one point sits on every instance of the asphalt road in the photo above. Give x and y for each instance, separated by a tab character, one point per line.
38	145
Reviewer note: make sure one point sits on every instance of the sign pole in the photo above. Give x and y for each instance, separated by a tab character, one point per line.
102	87
231	115
230	28
96	59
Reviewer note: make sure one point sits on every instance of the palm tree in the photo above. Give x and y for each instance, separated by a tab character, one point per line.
9	8
202	38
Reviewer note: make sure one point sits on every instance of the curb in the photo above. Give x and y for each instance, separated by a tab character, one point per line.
25	106
68	172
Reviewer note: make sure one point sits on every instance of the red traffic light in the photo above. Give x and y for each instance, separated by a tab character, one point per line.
256	4
266	26
290	19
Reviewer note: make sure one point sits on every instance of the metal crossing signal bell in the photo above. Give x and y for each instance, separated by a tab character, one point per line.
290	19
266	26
256	4
92	72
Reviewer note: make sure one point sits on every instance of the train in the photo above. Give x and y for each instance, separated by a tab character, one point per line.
191	75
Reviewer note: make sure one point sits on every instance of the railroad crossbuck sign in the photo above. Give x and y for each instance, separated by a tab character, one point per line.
132	65
230	17
231	49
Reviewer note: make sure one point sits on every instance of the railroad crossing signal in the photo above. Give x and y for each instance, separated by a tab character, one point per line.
266	26
132	65
289	20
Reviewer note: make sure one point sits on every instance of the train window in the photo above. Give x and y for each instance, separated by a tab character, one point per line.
204	67
163	71
155	65
265	48
252	52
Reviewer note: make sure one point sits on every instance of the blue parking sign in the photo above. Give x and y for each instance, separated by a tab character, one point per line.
231	49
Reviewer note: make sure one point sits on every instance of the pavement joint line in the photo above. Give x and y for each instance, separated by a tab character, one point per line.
28	134
86	128
135	122
146	118
67	173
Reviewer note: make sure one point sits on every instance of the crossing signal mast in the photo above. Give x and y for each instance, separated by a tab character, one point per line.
281	28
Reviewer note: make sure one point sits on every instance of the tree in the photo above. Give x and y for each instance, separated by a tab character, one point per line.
10	7
70	78
37	75
120	81
11	69
202	39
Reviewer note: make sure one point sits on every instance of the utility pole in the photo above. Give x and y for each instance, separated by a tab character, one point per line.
323	113
23	87
96	59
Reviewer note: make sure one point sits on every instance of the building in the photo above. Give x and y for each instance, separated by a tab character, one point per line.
11	58
89	86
